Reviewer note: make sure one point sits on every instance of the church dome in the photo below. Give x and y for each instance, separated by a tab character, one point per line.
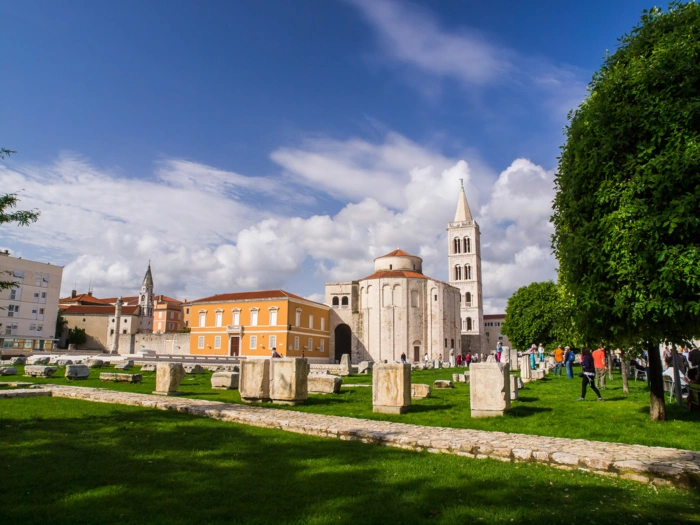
398	260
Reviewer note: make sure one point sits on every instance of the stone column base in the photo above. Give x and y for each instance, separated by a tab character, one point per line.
488	413
169	394
389	410
292	403
253	400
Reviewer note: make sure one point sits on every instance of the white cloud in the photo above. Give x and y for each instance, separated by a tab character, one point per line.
202	239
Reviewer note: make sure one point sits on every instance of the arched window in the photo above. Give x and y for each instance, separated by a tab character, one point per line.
458	273
469	324
344	302
467	272
336	301
468	298
457	245
467	245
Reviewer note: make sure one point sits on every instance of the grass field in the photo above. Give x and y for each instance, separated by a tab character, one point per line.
74	462
546	408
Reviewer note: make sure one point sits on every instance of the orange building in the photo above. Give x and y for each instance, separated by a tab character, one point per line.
167	315
251	324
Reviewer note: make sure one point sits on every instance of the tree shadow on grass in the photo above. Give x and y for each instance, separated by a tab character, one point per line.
521	411
124	465
430	408
523	399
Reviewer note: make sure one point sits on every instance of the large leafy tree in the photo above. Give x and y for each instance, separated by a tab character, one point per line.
535	314
627	229
8	214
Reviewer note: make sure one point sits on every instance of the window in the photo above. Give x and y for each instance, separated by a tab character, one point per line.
311	321
253	342
34	313
170	326
32	327
219	318
344	301
468	298
123	331
273	341
236	318
336	301
253	318
297	319
436	297
467	272
453	343
391	266
38	279
41	314
445	342
13	310
458	273
18	275
40	328
11	329
187	310
469	324
323	323
456	245
43	297
45	281
172	315
217	342
467	245
200	342
273	317
296	342
202	319
310	344
323	345
14	294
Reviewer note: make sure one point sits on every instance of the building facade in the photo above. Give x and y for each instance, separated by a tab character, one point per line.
167	315
29	310
396	310
492	331
251	324
464	266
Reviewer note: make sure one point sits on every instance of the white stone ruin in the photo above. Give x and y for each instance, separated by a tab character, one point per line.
489	390
289	381
254	381
420	391
168	378
391	388
324	384
525	370
224	380
77	372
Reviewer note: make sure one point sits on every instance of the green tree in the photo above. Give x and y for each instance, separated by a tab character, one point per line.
77	336
185	330
61	324
8	202
535	314
628	192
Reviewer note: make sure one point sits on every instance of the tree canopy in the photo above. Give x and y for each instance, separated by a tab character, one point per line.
627	229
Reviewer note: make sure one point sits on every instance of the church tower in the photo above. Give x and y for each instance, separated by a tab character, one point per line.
146	302
464	260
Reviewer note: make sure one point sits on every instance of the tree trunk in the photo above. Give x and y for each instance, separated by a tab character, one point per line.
677	376
657	408
625	372
609	360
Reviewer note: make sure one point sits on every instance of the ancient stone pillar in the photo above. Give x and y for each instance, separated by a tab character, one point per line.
168	378
391	388
117	321
289	381
254	382
514	388
345	365
525	371
489	389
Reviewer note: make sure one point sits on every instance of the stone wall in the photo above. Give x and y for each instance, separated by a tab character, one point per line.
169	344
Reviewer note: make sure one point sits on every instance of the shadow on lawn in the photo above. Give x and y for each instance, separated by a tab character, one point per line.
139	466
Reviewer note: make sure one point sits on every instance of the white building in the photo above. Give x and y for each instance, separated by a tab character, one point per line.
395	310
464	261
28	311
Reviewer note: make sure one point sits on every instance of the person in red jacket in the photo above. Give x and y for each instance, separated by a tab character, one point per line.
600	368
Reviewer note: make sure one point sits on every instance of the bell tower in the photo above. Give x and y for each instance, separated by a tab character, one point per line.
146	302
464	261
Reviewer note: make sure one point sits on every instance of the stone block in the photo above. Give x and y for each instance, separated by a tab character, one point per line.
38	360
442	384
8	371
168	378
19	360
491	358
489	391
324	384
391	388
125	365
514	387
525	371
254	381
77	372
194	369
148	368
537	374
120	378
365	367
224	380
521	385
345	365
420	391
541	365
95	363
64	362
289	380
39	371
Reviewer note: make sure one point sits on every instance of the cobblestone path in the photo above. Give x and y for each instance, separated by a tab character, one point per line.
658	465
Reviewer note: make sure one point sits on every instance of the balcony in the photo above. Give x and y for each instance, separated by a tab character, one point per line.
234	329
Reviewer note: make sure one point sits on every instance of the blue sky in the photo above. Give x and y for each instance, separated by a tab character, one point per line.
256	144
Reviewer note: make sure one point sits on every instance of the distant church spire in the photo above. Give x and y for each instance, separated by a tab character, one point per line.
148	278
463	212
146	299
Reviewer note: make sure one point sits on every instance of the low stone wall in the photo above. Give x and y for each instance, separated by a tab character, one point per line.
166	344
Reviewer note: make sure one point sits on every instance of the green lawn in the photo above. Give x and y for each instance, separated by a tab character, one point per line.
65	461
546	408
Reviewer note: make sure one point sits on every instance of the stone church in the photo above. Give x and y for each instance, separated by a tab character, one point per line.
399	310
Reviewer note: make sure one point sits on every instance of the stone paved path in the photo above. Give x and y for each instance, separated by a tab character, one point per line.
663	466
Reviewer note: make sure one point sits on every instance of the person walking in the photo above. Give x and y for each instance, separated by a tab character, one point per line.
403	358
540	353
600	368
425	358
558	360
569	358
588	374
468	359
499	351
533	357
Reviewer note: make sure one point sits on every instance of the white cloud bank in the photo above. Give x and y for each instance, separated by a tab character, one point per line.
205	232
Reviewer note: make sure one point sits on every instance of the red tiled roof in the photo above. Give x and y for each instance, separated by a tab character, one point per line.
395	273
493	316
243	296
166	299
132	299
98	310
398	252
82	298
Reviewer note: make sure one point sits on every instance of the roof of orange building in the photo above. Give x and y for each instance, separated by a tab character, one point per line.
83	298
394	273
247	296
166	299
98	310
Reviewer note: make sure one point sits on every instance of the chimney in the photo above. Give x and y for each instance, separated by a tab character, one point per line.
90	293
73	294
